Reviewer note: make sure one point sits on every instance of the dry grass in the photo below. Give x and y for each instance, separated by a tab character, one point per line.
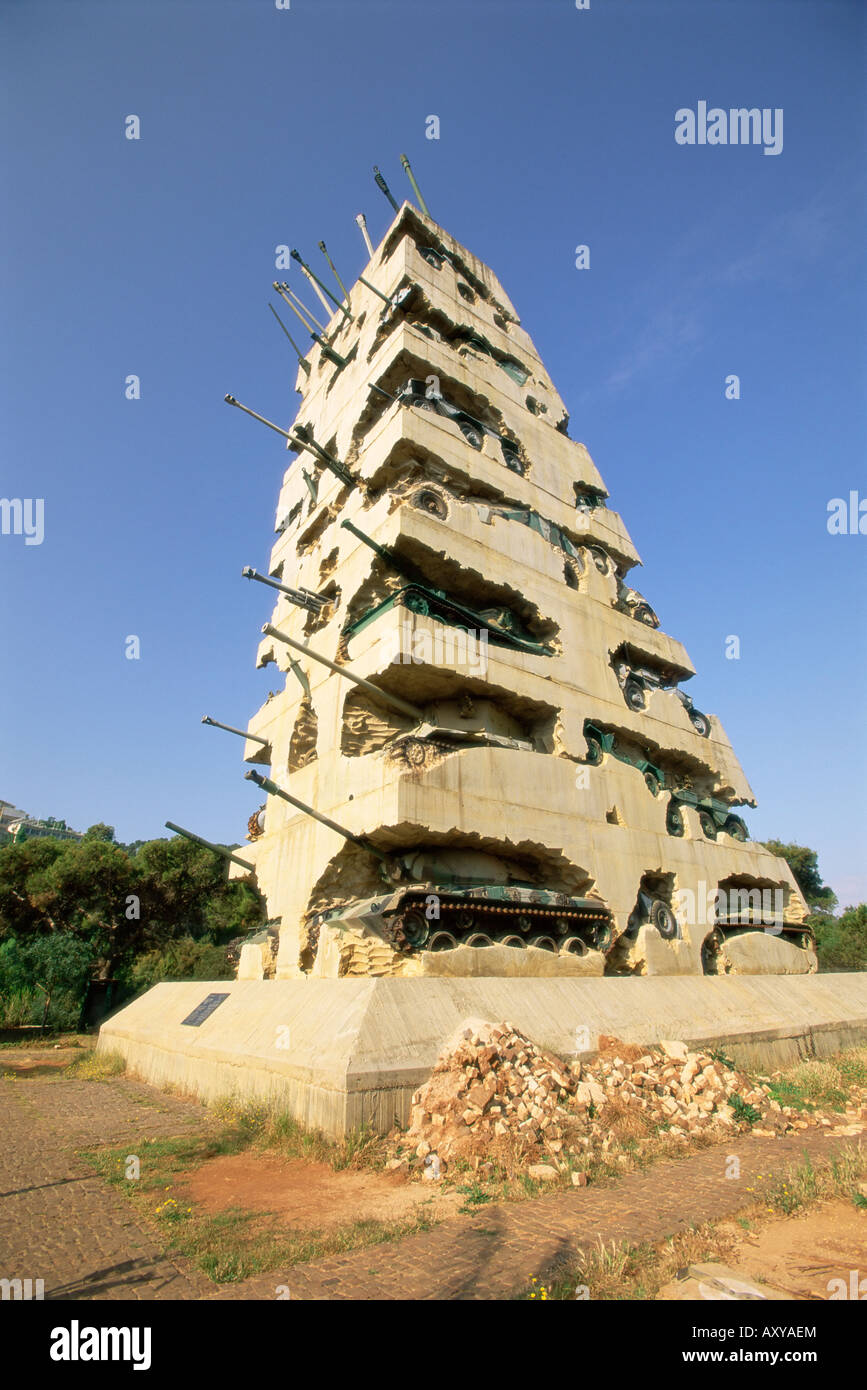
95	1066
618	1271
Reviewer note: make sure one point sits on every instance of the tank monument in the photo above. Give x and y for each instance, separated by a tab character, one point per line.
487	793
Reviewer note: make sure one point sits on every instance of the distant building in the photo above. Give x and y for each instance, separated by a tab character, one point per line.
17	826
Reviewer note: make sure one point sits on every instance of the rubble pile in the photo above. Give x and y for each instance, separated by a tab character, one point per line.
493	1084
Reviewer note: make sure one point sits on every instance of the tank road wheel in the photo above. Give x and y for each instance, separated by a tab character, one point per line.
662	917
416	604
429	501
471	434
512	461
523	922
710	952
594	752
411	929
574	945
478	938
414	752
707	824
700	722
442	941
516	942
674	820
561	925
736	829
634	695
464	920
651	783
543	943
602	937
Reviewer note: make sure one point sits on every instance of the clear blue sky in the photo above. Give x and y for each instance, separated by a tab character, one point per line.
259	127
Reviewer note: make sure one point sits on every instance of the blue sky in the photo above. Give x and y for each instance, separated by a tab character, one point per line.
259	127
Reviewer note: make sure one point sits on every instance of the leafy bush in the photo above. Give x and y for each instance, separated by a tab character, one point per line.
180	960
842	941
44	979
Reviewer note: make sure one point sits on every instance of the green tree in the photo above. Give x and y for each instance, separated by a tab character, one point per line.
118	906
44	978
100	831
804	864
842	941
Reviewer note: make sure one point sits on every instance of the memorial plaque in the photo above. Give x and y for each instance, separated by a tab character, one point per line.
204	1010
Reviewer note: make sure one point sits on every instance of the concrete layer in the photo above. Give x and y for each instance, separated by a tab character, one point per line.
339	1054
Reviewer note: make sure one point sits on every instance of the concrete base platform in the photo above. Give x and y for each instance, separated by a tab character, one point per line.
339	1054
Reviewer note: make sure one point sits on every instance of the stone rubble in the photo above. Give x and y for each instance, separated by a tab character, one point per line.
493	1084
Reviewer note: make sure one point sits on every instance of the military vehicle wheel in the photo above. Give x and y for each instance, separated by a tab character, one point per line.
543	943
415	752
700	722
634	695
464	921
478	938
512	461
600	559
707	824
561	925
602	937
662	917
710	950
523	922
516	942
442	941
412	928
651	782
594	751
736	830
429	501
573	946
674	821
472	435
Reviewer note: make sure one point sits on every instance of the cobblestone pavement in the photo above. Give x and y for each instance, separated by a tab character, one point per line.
493	1255
62	1223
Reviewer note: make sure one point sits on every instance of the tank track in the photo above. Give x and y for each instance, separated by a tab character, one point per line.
466	924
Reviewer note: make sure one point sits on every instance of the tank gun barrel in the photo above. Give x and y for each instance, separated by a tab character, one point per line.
415	188
302	361
217	849
382	296
298	305
324	249
316	282
230	400
273	790
404	567
283	290
362	227
384	188
402	705
302	597
306	441
230	729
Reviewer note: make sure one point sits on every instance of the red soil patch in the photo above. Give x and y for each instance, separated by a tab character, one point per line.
312	1195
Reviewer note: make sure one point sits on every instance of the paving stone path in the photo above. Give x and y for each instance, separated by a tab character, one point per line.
62	1223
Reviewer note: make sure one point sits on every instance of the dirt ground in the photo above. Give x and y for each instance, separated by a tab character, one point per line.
313	1195
39	1061
800	1254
